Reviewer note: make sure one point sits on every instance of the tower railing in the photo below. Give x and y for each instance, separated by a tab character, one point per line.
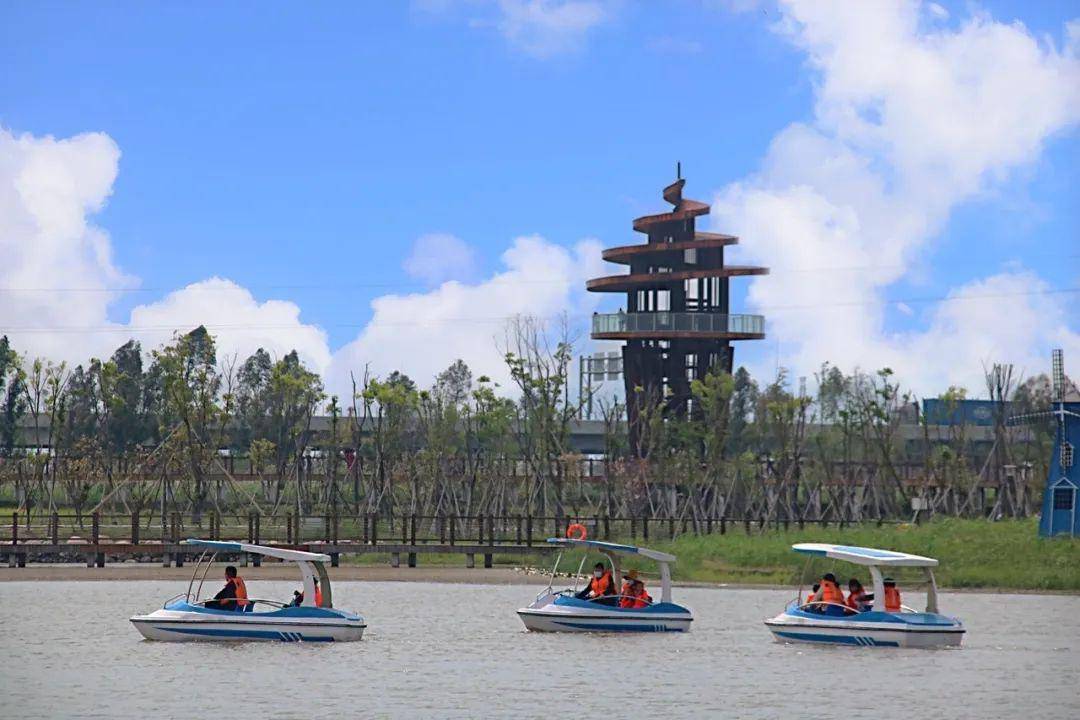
653	322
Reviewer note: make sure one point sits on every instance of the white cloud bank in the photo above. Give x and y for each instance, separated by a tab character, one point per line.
909	122
422	333
58	281
57	277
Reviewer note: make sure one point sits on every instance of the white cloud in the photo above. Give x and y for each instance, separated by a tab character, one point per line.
543	28
539	28
58	279
48	187
438	257
421	334
909	122
240	323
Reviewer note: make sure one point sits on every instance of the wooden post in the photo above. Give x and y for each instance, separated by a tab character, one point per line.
95	532
645	528
326	528
256	560
528	530
374	529
470	560
488	560
15	528
404	531
453	528
723	525
412	536
395	560
134	527
480	530
441	522
288	529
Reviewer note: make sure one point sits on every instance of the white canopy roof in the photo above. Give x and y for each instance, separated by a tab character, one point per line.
865	556
280	553
656	555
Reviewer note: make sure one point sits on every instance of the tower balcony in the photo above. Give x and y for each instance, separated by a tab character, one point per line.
672	325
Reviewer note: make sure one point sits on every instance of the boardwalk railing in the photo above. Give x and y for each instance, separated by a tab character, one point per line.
99	535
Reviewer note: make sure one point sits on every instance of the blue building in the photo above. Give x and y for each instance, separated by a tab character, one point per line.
1061	500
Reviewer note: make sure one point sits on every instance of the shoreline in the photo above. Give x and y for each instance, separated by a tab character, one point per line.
145	572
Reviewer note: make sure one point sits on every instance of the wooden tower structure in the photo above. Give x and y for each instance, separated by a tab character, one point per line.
677	323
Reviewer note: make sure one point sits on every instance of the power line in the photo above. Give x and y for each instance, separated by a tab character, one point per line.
133	329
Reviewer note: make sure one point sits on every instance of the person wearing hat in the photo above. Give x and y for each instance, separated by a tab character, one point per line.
633	592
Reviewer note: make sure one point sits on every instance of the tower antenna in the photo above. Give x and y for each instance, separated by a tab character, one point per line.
678	170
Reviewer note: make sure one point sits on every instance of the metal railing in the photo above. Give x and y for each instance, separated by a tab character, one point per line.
677	322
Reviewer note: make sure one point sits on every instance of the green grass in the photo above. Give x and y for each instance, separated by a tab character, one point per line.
972	553
1007	555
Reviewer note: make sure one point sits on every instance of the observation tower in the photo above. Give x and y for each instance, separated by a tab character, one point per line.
676	324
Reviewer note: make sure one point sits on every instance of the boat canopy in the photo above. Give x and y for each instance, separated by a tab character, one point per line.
571	543
280	553
865	556
311	565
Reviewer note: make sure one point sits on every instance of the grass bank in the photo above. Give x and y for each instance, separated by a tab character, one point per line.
973	554
1006	555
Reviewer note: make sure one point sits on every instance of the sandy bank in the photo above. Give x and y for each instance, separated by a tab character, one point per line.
133	571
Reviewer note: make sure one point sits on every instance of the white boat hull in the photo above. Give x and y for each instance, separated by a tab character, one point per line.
179	626
559	613
786	628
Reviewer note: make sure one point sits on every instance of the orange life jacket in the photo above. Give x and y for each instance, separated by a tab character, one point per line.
855	599
241	591
892	599
634	599
318	596
831	593
602	585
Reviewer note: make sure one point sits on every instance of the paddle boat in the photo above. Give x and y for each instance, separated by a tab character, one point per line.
562	611
186	617
837	624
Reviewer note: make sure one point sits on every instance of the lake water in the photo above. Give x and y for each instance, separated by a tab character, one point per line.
68	650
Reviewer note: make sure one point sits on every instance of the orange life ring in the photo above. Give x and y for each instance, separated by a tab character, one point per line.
576	531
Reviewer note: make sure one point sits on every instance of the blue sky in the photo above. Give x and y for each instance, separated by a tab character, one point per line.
300	152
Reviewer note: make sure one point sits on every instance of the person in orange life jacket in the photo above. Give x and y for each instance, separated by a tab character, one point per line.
318	593
856	599
892	595
633	593
829	592
233	596
600	586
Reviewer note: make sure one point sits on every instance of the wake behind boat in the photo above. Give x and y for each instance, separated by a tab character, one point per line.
834	623
566	611
186	617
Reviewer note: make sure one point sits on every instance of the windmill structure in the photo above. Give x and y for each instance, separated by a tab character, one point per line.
1061	497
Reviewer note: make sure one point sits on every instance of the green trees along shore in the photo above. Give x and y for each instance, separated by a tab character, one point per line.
179	429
